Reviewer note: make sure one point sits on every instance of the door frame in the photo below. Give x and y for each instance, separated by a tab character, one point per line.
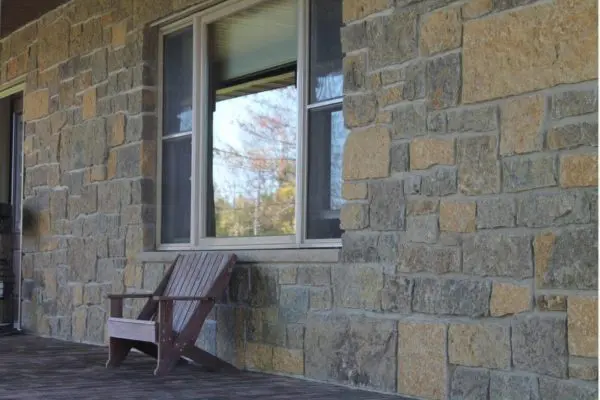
7	91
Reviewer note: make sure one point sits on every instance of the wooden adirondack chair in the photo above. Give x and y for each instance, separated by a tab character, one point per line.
170	322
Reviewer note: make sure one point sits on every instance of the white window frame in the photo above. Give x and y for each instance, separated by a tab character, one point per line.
198	239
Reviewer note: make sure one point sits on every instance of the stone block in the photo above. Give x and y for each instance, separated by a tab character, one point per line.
478	168
96	323
367	154
556	389
396	296
583	368
230	339
421	206
422	229
53	43
425	152
314	275
426	258
469	384
548	302
259	356
354	350
321	298
288	361
567	260
442	181
521	125
359	109
539	344
355	71
288	275
457	216
422	368
387	205
354	216
479	345
498	254
89	104
358	9
354	191
399	157
451	296
444	81
293	304
409	120
499	212
295	336
437	122
477	8
480	119
263	286
392	39
529	172
354	37
532	65
505	385
36	105
387	249
357	286
582	318
573	135
509	299
117	127
119	34
360	247
575	102
85	36
578	170
536	210
440	31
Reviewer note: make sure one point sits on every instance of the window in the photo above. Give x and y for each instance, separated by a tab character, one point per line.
252	127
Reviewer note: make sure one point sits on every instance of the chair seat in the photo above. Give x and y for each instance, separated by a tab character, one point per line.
133	329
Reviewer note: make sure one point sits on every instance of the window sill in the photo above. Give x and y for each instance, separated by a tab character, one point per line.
328	255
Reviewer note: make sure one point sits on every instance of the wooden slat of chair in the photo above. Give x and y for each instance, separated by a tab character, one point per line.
174	313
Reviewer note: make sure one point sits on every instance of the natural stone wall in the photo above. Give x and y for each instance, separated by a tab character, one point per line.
469	263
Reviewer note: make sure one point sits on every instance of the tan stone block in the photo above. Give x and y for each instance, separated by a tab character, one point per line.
354	191
391	95
422	367
288	275
288	361
117	134
259	356
562	52
50	284
111	166
543	246
36	105
16	66
367	154
133	275
477	8
422	206
582	323
89	104
358	9
441	31
578	170
77	294
53	43
44	224
97	173
521	123
479	345
425	153
509	299
458	216
548	302
119	34
78	323
354	216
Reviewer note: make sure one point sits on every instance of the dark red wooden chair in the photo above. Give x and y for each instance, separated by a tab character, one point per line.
170	322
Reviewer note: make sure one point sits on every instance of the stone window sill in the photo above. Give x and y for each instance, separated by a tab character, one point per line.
330	255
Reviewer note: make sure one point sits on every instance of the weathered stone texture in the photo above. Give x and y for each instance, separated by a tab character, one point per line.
575	102
529	172
498	254
469	384
578	170
426	258
481	345
531	64
555	389
422	368
443	81
451	297
512	386
440	31
387	205
573	135
582	318
521	125
583	368
367	154
425	153
539	344
478	167
392	39
457	216
356	286
352	350
509	299
553	209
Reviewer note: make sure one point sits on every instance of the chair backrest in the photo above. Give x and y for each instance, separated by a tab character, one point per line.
200	274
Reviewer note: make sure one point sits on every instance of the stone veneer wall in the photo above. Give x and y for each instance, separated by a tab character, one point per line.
469	266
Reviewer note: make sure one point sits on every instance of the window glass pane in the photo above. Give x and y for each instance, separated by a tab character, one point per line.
255	39
176	190
326	138
326	80
177	82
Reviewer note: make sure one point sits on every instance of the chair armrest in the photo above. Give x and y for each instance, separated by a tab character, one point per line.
130	296
183	298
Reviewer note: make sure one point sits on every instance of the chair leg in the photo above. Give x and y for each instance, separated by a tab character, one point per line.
118	349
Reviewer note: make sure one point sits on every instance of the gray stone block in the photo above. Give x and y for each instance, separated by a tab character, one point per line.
539	344
529	172
482	119
478	167
263	286
357	286
354	37
496	213
382	38
314	275
387	205
442	181
293	304
399	157
426	258
573	135
437	122
207	340
387	248
575	102
507	386
353	350
422	229
553	209
360	247
409	121
412	184
397	294
444	81
498	255
555	389
451	297
469	384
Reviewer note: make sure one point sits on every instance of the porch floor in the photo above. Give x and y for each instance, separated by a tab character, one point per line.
38	368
